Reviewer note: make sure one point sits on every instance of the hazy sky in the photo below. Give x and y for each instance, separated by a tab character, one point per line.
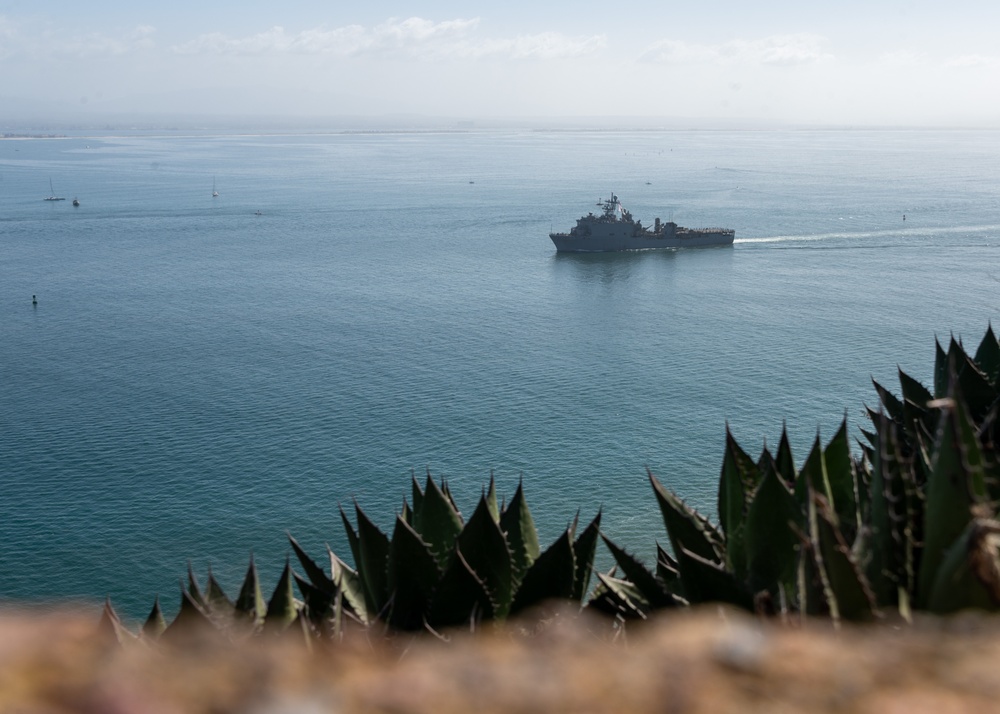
857	62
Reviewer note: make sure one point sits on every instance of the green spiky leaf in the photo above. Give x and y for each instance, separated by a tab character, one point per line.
654	592
853	598
155	623
551	576
584	552
522	537
281	608
317	576
438	522
461	597
988	356
686	527
250	603
955	485
842	478
783	461
485	550
412	576
373	549
969	572
348	583
773	523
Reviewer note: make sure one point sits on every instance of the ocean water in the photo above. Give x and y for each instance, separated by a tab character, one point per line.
196	379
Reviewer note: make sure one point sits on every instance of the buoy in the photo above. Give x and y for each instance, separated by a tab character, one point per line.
34	300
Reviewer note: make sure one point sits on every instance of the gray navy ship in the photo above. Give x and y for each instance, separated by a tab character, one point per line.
615	230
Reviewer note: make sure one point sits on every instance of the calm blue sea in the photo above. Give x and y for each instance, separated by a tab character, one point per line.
197	379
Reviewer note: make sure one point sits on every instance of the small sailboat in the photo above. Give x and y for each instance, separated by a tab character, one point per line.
52	194
215	193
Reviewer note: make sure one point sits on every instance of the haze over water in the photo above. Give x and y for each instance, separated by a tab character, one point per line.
196	379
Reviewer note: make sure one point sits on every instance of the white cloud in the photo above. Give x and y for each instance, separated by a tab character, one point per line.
776	50
412	37
973	62
34	43
902	58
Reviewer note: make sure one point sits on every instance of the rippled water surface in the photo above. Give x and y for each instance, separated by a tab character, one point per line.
197	379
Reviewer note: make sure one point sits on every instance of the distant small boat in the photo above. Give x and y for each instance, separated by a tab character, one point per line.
52	194
258	213
214	192
76	201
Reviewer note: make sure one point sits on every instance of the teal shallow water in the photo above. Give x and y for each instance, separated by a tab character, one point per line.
197	379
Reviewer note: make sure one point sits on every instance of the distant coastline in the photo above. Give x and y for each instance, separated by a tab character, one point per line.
31	136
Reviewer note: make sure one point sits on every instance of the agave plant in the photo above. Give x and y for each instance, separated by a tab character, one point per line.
438	570
909	524
435	571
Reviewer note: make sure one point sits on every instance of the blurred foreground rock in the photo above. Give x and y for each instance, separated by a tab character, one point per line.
705	660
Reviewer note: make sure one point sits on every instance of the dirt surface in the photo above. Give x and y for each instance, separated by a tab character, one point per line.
706	660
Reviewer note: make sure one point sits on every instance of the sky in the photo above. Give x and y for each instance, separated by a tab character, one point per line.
870	63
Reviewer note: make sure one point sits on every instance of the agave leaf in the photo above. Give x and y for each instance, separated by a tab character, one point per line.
348	583
849	589
979	394
461	597
194	590
969	573
915	399
412	576
707	581
813	475
552	575
988	356
352	537
584	551
317	576
914	390
220	607
189	617
667	570
941	379
110	626
491	499
484	548
653	591
784	463
686	527
250	602
405	513
373	547
618	597
438	522
446	490
887	557
522	538
733	490
418	496
155	624
892	405
842	477
955	485
773	523
871	436
319	604
281	608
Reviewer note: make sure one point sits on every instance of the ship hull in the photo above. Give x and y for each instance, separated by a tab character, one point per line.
612	242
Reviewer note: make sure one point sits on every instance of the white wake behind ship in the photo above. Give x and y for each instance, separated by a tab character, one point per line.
615	230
